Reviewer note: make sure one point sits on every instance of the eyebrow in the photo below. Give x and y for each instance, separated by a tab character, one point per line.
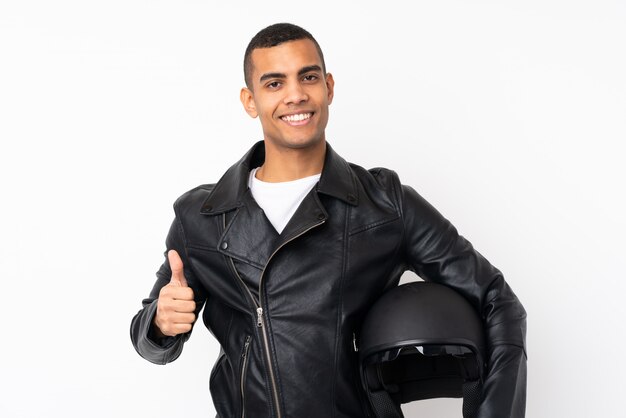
302	71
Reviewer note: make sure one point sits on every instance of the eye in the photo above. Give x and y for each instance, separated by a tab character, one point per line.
309	77
273	85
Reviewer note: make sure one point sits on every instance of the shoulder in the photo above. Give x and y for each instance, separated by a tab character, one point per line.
191	201
386	181
378	187
379	177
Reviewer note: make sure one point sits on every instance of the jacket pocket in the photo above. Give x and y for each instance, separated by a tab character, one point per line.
242	373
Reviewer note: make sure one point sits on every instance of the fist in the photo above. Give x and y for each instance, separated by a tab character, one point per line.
176	306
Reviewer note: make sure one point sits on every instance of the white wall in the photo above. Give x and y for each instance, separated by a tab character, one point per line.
509	117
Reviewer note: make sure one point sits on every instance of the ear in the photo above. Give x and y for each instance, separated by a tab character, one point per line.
247	100
330	87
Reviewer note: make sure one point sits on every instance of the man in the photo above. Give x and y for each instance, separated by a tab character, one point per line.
290	247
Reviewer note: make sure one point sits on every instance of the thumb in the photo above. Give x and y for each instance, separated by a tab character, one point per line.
176	265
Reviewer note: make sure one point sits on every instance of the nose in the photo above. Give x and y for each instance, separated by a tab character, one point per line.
295	94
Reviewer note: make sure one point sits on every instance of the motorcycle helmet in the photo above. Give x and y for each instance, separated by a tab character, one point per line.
421	340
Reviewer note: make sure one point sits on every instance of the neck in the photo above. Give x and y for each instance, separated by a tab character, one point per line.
288	164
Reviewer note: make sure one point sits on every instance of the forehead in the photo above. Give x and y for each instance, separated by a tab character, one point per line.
284	58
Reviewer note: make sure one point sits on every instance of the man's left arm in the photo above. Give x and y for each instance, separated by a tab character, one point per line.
436	252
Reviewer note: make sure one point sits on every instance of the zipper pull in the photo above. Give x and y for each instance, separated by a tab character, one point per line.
356	349
259	317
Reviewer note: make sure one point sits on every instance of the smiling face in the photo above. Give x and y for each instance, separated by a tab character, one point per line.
290	94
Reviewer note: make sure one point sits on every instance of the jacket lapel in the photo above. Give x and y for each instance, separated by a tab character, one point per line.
249	236
309	214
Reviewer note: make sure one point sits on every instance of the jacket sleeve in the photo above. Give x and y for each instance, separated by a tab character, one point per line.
436	252
164	350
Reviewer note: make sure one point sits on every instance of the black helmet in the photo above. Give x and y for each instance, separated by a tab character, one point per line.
421	340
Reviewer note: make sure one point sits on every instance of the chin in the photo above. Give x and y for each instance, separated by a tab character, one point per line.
297	143
304	143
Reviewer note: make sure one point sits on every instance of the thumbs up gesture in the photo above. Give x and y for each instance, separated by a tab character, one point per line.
176	305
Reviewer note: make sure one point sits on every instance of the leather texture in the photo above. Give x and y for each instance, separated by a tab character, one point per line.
352	237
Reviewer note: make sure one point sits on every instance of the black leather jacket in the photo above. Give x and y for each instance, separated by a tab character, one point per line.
286	308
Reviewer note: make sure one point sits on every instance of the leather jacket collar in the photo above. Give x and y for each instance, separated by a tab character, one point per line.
337	180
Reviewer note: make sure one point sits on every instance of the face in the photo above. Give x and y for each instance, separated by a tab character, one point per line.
289	94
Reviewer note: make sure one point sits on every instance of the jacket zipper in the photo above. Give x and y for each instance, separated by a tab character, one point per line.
244	368
259	312
261	320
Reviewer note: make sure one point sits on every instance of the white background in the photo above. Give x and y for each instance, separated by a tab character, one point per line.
509	117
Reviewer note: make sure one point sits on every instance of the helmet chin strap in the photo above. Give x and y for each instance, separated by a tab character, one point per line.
383	405
380	400
386	407
472	393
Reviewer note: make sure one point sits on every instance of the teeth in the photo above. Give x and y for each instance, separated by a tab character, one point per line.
296	118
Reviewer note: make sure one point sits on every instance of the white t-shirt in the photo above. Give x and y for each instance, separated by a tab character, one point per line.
279	201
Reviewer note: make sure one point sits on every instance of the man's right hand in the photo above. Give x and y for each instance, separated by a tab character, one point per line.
176	306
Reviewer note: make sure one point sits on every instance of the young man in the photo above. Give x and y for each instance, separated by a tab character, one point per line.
290	247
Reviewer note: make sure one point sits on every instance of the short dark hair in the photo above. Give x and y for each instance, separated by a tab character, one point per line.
274	35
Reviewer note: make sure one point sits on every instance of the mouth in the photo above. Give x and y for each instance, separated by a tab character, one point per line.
297	119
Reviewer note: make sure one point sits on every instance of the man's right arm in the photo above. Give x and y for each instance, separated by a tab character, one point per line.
159	330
